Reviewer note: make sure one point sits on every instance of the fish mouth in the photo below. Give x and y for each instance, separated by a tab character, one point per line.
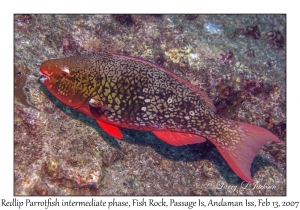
44	69
44	78
45	74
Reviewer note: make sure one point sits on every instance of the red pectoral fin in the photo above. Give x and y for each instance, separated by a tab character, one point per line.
178	139
110	129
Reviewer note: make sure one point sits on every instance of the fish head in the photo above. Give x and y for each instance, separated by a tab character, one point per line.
65	81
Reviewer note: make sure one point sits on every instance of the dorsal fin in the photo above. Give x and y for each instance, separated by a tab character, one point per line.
204	98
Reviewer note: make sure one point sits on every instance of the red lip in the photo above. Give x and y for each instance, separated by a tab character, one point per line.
45	67
45	73
44	79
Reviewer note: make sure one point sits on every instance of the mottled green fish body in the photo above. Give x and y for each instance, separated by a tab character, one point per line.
127	92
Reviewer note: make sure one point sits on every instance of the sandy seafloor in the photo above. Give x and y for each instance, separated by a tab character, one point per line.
238	60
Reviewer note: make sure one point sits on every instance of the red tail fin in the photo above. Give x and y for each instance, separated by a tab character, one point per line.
252	138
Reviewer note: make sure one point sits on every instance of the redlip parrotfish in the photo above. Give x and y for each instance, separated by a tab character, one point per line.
120	91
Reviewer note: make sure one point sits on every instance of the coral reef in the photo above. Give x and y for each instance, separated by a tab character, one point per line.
275	38
59	151
124	19
252	31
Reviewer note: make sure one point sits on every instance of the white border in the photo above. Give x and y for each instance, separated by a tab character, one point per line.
138	6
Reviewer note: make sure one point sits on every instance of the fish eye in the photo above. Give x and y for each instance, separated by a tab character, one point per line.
65	71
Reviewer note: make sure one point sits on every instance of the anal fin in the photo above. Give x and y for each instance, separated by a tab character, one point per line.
111	129
178	139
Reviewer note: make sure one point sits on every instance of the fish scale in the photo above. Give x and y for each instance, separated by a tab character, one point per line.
139	101
126	92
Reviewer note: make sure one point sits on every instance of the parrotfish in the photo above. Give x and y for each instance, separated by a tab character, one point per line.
120	91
